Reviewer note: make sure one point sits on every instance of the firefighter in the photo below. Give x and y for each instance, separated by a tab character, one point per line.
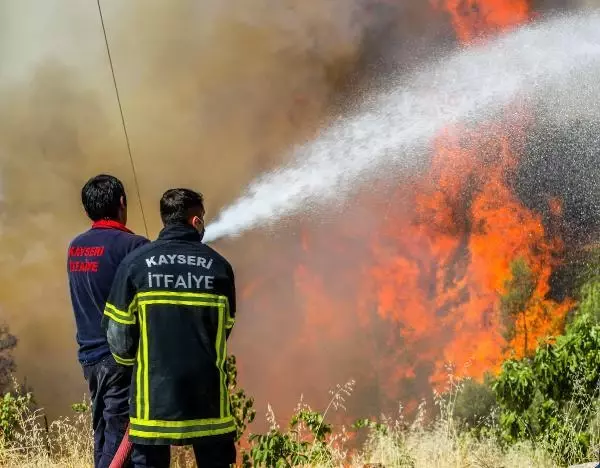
169	314
93	258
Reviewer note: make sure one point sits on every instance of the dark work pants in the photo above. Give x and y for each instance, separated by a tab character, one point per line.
210	452
109	385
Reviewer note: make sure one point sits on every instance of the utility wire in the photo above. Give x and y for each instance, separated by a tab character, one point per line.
112	69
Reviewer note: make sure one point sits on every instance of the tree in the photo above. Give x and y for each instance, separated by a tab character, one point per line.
474	402
514	304
8	343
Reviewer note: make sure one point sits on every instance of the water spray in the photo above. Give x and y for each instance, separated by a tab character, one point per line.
392	130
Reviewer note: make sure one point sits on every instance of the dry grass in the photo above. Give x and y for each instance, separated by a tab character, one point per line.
68	443
441	446
71	446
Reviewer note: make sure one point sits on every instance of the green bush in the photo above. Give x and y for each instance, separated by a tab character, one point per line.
475	403
552	396
242	406
81	408
12	408
305	443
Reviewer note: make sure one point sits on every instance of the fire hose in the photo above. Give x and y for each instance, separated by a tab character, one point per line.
123	452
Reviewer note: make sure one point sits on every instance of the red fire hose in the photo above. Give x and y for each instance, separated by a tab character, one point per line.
123	452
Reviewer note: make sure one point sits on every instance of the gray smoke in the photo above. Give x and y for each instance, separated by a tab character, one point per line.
390	133
213	93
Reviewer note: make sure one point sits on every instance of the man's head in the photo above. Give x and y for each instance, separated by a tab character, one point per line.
183	206
103	197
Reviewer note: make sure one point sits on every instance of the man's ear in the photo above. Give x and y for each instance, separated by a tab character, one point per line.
123	202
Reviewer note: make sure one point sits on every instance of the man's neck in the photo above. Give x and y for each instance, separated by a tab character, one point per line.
110	224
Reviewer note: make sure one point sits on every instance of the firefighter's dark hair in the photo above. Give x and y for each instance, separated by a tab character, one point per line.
101	197
176	204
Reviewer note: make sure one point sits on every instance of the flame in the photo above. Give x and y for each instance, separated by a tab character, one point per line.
423	290
473	19
441	269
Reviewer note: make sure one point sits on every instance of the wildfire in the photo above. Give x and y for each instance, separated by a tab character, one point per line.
423	277
442	268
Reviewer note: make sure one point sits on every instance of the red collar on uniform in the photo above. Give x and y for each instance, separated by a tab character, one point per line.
110	224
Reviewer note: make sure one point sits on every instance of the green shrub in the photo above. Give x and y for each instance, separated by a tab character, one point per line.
242	406
305	443
475	403
12	408
81	408
551	397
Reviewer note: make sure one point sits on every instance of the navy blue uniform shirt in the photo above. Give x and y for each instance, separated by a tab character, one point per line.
93	258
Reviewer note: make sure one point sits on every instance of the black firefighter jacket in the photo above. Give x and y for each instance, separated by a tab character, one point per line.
169	314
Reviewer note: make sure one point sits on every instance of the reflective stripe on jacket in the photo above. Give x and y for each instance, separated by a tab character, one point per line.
169	314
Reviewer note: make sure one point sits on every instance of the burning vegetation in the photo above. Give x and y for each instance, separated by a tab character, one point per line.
448	271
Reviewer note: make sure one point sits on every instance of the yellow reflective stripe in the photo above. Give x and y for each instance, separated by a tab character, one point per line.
120	316
183	294
218	346
116	311
176	302
139	389
133	307
144	330
181	298
230	319
127	321
180	435
130	310
144	299
159	429
124	361
174	424
228	325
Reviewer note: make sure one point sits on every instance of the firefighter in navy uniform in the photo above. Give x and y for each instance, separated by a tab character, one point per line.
169	314
93	259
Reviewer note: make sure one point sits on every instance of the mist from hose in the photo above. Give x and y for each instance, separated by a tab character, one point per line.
390	131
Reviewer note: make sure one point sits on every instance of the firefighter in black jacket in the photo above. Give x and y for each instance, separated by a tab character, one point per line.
169	314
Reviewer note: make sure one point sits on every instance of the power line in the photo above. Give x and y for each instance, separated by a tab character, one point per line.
112	69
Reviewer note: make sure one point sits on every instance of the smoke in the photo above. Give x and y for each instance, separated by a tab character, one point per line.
213	94
389	135
311	296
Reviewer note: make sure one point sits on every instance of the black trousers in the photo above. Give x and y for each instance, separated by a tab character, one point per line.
109	385
210	452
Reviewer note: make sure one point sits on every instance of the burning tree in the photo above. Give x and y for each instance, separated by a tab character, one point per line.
515	303
446	265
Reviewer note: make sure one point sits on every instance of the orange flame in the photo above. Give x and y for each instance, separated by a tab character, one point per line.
423	289
443	279
473	19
